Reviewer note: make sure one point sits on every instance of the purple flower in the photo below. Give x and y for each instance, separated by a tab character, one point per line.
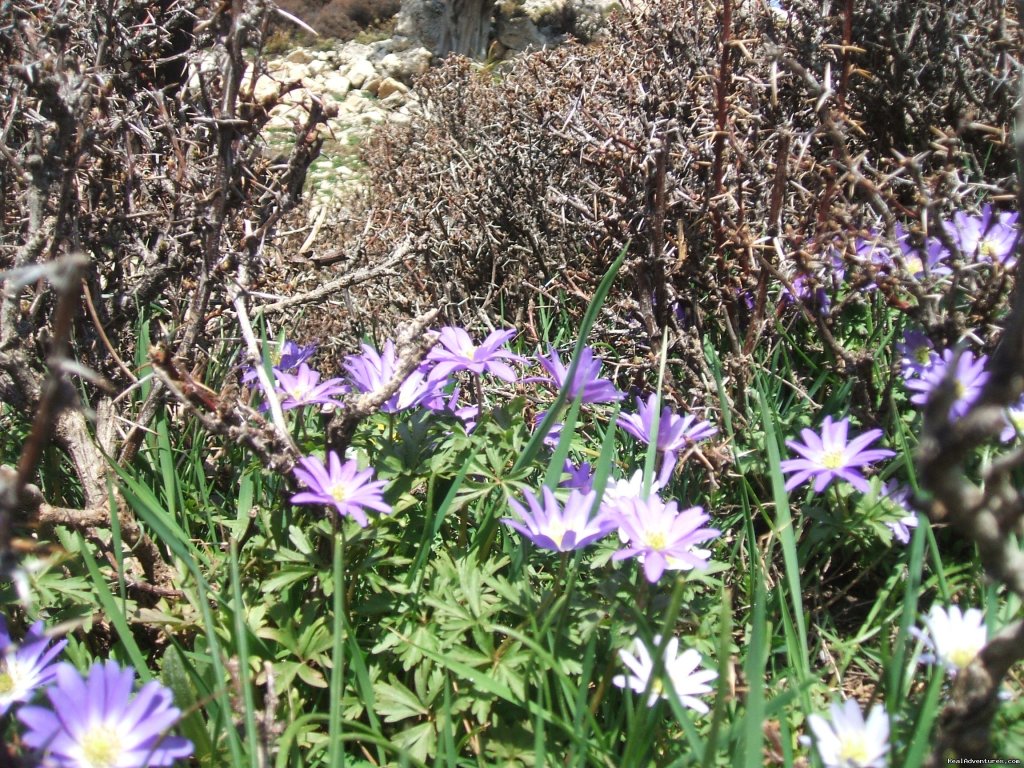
969	376
932	263
549	525
587	378
305	388
829	456
674	432
467	414
681	669
26	667
989	237
291	356
663	537
917	353
898	496
1014	422
581	478
456	352
554	435
371	370
96	722
811	287
344	487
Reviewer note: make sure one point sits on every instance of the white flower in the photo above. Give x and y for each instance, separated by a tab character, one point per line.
846	740
955	637
686	681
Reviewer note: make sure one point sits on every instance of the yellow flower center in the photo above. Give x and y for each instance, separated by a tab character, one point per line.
987	247
6	683
656	540
922	355
556	532
854	750
101	747
961	658
833	459
339	492
958	388
914	264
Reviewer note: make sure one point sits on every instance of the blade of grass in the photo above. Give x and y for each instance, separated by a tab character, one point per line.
537	441
165	531
336	754
242	643
784	530
114	614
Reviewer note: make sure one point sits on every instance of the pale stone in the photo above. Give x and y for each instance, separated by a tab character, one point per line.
336	84
359	71
299	56
389	86
267	90
316	67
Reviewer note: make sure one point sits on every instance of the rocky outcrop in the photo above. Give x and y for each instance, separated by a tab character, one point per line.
499	29
360	86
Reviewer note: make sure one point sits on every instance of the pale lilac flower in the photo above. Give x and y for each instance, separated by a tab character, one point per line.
846	740
662	537
96	723
343	487
372	370
917	353
989	237
931	264
955	638
549	525
828	456
292	355
25	667
918	266
1014	422
898	496
681	671
305	388
620	491
456	352
587	379
674	432
448	405
969	376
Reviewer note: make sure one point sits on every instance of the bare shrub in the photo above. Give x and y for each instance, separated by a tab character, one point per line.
728	146
341	19
136	201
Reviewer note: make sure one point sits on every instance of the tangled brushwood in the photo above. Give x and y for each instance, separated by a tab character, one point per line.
728	146
135	198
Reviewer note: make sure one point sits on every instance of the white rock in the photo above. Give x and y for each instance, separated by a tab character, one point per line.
389	86
359	71
336	84
267	90
299	56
